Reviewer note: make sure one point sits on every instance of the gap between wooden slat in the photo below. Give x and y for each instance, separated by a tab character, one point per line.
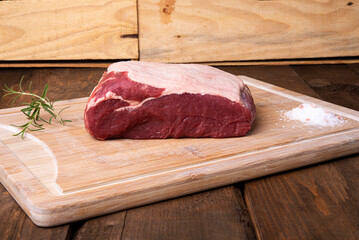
106	63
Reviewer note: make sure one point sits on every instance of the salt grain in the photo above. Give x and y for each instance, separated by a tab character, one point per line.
311	114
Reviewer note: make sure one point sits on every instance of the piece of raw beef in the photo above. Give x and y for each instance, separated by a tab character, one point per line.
145	100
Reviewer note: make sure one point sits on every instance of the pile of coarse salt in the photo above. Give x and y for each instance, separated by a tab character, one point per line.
310	114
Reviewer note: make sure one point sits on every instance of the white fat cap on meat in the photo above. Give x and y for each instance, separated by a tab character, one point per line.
182	78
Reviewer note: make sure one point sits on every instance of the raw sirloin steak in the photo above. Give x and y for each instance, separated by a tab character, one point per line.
144	100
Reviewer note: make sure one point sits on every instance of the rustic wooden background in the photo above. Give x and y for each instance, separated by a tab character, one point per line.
76	29
178	31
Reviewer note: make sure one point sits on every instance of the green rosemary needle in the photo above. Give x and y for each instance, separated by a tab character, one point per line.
32	110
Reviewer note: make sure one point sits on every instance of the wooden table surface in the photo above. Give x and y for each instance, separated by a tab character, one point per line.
316	202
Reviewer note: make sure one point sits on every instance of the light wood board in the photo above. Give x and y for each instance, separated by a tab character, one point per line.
76	29
232	30
62	174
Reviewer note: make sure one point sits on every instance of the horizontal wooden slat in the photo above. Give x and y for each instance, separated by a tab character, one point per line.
232	30
63	64
106	63
53	30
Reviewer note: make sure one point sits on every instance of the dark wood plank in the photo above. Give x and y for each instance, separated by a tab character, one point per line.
354	67
338	84
14	224
216	214
109	227
317	202
64	83
282	76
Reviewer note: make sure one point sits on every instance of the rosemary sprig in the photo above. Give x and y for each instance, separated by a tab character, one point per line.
32	110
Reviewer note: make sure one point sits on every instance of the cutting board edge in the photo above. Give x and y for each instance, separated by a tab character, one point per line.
51	214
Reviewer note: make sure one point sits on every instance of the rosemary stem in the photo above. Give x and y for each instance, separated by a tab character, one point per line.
32	109
57	116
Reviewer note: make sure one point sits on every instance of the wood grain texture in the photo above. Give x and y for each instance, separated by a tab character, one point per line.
56	30
354	67
55	64
61	82
109	227
339	84
14	224
318	202
277	75
217	214
313	203
90	180
207	31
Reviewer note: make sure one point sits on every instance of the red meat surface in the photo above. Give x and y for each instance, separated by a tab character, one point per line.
141	100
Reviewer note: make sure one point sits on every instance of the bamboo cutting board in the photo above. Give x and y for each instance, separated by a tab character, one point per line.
62	174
